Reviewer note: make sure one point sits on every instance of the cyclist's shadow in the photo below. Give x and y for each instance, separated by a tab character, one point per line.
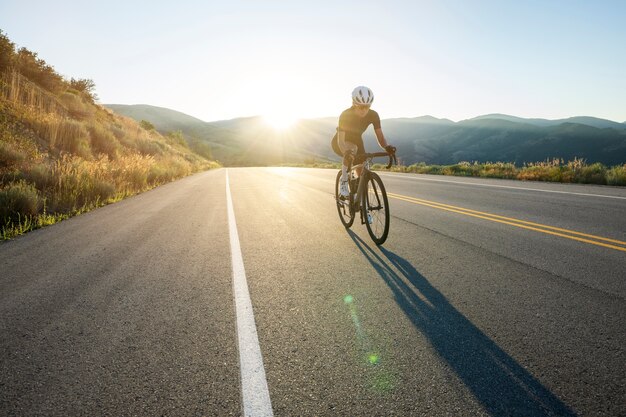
495	379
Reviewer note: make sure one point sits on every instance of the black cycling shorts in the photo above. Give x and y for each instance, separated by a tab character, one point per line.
357	141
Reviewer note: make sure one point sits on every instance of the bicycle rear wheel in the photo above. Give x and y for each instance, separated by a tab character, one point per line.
376	208
344	207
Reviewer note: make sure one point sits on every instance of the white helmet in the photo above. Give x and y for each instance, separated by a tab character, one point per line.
362	96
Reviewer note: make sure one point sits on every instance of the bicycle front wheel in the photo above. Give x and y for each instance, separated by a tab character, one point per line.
376	208
344	206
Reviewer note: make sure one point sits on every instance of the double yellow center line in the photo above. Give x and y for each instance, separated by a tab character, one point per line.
537	227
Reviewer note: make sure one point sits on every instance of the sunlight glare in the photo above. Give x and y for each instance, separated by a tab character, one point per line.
280	120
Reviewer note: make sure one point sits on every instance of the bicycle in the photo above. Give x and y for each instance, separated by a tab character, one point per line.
367	196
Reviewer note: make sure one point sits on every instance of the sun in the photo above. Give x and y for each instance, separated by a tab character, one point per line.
280	121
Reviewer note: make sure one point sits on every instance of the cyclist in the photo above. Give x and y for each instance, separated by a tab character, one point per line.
348	141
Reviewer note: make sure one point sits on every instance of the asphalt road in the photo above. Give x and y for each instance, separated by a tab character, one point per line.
129	310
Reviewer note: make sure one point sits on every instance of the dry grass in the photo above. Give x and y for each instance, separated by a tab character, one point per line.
18	89
63	155
616	175
552	170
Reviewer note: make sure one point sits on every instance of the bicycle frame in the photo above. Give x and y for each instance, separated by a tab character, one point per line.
358	196
367	201
364	177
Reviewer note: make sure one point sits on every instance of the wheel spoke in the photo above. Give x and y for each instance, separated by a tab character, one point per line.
344	207
377	209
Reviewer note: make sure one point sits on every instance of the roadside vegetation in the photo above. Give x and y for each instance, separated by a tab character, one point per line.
555	170
62	154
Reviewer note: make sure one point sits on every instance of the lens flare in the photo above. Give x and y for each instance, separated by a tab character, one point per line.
373	359
280	121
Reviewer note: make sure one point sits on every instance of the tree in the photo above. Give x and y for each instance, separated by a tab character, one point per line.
86	86
37	71
7	52
146	125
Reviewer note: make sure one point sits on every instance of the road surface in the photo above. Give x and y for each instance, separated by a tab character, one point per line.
490	297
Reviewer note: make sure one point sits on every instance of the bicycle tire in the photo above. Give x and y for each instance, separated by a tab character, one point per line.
376	207
345	208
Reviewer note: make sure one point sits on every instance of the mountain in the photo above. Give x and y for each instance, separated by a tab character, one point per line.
515	119
583	120
240	141
166	120
495	137
593	121
160	117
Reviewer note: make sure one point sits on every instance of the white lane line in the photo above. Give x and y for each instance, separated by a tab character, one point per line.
503	186
254	392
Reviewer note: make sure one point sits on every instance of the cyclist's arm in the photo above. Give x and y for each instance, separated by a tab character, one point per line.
341	136
381	138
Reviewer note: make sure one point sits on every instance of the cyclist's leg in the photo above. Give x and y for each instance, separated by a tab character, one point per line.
360	150
348	150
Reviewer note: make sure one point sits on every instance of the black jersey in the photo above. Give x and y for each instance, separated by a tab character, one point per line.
354	126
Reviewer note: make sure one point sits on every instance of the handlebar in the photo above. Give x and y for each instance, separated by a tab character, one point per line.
392	157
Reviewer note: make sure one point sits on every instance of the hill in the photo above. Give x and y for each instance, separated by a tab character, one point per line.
241	141
249	141
583	120
62	154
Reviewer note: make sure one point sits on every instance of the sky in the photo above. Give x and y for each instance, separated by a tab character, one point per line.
301	59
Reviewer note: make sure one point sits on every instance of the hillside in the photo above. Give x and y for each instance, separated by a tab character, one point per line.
241	141
583	120
249	141
62	154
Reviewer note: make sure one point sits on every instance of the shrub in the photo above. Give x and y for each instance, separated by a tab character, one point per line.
592	174
463	169
76	106
176	138
103	141
158	174
498	170
616	175
18	200
39	174
9	156
146	125
149	147
102	191
117	131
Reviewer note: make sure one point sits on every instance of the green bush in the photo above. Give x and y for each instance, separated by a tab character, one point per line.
616	175
146	125
158	174
592	174
102	191
40	174
18	200
149	147
498	170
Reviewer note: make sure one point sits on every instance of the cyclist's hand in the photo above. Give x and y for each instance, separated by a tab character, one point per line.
390	149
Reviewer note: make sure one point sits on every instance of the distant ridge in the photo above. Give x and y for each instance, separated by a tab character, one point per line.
583	120
492	137
158	116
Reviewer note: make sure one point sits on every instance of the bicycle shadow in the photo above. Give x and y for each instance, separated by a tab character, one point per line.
497	381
